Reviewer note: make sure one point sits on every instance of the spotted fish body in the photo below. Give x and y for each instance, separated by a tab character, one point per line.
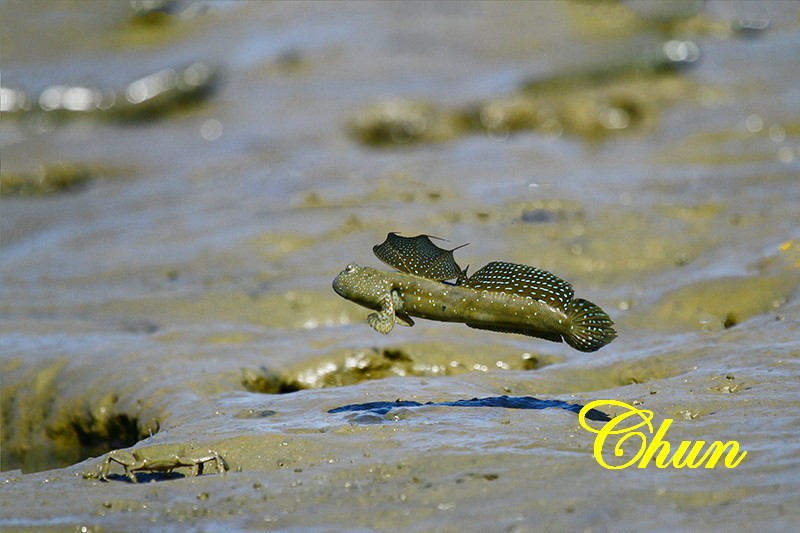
503	297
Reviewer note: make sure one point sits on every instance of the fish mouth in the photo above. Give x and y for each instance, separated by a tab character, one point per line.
339	284
336	285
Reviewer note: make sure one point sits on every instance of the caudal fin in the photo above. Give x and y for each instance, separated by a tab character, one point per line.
590	327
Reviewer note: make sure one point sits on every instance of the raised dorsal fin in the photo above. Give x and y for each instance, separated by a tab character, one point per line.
522	280
419	256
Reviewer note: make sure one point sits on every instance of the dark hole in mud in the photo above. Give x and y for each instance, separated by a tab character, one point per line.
730	321
349	367
118	431
77	440
393	354
266	381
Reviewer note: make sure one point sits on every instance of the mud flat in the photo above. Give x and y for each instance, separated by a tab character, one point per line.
294	465
175	304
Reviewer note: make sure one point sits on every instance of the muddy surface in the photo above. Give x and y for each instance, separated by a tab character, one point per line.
166	282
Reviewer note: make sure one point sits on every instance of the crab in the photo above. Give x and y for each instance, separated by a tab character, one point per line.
161	459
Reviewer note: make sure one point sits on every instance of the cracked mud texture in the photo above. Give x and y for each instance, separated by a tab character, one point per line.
188	307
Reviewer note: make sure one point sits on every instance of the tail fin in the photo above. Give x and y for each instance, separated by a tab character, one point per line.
590	327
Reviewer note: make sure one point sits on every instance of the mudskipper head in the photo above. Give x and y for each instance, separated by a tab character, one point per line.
363	285
343	283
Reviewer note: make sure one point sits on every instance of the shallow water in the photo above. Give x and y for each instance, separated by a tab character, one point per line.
181	297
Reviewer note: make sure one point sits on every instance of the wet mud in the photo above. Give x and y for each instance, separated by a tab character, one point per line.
186	313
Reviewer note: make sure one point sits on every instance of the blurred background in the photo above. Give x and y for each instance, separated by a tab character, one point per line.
181	181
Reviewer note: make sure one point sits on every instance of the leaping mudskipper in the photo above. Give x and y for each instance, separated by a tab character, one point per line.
504	297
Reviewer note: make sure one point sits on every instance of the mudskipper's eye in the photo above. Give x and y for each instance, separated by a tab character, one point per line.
350	267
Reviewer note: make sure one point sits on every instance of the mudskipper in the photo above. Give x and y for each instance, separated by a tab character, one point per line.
504	297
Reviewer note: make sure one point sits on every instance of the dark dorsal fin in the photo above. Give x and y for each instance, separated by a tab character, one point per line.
522	280
419	256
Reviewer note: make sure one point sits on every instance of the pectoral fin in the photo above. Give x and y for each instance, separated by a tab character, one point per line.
402	318
383	321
